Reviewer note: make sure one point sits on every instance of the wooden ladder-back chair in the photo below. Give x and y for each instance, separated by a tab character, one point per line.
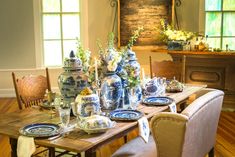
30	90
168	69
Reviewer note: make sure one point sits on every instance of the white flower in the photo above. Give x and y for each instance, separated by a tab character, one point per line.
112	66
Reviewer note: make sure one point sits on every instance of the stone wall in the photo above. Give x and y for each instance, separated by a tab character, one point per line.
146	13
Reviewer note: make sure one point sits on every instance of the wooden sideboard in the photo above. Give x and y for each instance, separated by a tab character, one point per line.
216	69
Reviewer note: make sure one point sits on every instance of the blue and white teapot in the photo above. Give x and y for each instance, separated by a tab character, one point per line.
154	87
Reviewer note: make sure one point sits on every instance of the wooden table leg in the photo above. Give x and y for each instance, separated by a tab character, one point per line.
13	143
51	152
125	139
90	153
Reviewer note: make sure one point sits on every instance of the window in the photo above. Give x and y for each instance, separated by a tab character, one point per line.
60	28
220	22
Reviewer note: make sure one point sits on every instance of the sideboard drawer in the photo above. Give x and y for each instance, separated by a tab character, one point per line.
213	77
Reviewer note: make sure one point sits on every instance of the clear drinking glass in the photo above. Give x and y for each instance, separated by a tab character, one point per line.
133	98
64	113
57	101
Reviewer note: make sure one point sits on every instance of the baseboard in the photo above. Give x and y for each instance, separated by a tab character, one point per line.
9	93
6	93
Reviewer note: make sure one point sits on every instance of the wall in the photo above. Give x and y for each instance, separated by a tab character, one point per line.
188	15
100	22
17	48
16	34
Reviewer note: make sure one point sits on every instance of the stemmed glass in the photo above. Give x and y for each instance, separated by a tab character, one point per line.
64	113
133	98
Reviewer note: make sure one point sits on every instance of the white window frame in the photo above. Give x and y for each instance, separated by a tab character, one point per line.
38	36
202	20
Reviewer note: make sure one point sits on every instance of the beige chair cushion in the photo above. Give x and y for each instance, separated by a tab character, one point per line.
189	134
137	148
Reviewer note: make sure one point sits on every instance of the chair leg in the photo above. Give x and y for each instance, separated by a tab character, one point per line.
211	153
13	143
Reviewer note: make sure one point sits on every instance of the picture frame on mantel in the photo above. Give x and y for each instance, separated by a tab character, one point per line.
147	13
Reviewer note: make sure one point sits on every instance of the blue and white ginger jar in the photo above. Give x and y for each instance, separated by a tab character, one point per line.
111	91
71	81
133	64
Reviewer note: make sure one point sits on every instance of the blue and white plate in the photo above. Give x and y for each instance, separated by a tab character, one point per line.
158	101
125	115
40	130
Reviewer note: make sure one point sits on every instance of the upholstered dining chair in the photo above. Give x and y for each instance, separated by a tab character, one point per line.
30	90
168	69
188	134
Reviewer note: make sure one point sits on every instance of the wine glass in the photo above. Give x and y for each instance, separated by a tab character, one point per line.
133	98
64	113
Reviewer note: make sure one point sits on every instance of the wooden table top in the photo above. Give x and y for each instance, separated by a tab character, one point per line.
77	140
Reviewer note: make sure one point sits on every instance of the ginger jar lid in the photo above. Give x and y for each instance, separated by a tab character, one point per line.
131	55
72	63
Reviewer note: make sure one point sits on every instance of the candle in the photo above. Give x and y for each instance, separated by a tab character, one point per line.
143	74
96	70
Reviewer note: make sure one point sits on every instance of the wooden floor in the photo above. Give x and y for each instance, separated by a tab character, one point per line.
225	140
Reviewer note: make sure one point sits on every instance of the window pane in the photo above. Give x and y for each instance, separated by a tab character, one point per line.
214	42
51	5
213	5
70	5
69	45
51	26
229	5
71	26
52	53
213	23
228	25
230	42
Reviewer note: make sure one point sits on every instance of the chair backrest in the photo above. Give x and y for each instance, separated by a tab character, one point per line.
168	69
30	90
191	133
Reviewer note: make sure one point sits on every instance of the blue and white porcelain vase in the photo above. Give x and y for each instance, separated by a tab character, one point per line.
121	72
176	45
111	91
70	81
133	65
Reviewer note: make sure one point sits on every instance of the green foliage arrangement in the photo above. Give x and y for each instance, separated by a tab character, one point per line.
84	55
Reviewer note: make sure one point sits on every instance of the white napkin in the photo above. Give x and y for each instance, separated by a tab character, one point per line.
172	107
25	146
144	130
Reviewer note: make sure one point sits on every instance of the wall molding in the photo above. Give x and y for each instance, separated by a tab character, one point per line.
31	69
10	92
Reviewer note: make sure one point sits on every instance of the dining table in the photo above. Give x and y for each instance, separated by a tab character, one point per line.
77	140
